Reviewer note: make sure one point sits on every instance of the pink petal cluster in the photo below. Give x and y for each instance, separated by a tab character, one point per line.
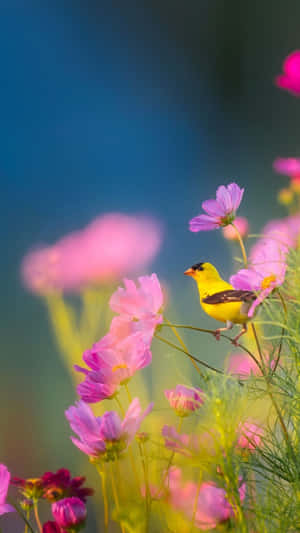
4	484
184	399
267	262
207	505
69	513
110	247
106	436
241	365
126	348
290	79
289	166
250	436
241	223
219	212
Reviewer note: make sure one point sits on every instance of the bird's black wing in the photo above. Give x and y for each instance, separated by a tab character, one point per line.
229	297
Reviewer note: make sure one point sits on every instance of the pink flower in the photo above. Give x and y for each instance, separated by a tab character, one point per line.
4	484
69	513
184	399
242	225
212	506
249	436
266	272
242	365
187	445
290	79
110	247
141	302
220	212
112	363
289	166
108	436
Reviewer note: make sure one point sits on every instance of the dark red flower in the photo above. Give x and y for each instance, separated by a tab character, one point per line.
51	527
58	485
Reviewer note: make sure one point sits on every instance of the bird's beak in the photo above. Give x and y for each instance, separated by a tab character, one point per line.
189	272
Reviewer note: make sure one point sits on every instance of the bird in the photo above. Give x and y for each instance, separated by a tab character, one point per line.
220	300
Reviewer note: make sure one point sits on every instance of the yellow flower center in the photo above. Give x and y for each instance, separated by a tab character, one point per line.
266	282
119	367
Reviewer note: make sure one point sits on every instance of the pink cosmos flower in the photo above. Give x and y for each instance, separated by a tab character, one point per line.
249	436
266	272
4	484
220	212
212	506
110	247
108	436
69	513
290	79
183	443
289	166
242	225
112	363
141	302
242	365
184	399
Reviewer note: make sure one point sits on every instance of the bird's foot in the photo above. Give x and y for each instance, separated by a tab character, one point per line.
217	334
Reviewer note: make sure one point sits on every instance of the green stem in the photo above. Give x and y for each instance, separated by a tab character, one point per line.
183	346
115	494
37	518
104	495
187	353
147	489
27	523
241	244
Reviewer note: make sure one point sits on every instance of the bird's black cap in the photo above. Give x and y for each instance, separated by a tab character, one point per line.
198	266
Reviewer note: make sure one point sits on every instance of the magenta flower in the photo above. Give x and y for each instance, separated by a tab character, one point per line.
69	513
241	224
112	363
108	436
4	484
266	272
220	212
249	436
289	166
184	399
110	247
290	79
51	527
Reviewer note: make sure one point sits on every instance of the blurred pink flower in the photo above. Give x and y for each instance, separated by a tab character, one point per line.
242	365
182	443
242	225
4	484
107	436
220	212
110	247
266	272
289	166
184	399
112	363
209	501
69	513
140	302
290	79
249	436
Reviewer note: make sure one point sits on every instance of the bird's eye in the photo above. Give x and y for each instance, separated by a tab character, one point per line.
198	266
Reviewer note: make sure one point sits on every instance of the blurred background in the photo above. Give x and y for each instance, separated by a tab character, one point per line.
135	107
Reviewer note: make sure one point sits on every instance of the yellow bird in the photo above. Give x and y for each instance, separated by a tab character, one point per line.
220	300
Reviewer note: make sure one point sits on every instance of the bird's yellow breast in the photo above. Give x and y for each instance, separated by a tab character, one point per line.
236	312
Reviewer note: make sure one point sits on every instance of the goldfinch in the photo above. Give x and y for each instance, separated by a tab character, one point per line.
220	300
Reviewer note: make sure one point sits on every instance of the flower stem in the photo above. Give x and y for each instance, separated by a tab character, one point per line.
27	523
104	495
173	328
241	244
115	494
37	518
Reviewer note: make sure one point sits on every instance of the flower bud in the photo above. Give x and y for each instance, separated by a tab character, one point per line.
285	196
242	225
51	527
69	513
184	399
